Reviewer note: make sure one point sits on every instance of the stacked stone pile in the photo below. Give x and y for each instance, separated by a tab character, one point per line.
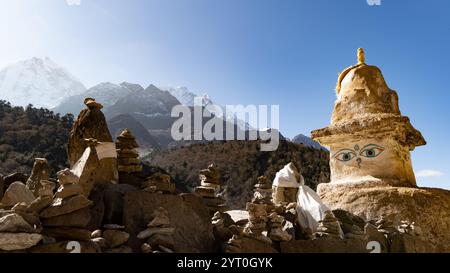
209	189
356	233
128	161
112	239
276	231
160	183
329	227
68	214
159	233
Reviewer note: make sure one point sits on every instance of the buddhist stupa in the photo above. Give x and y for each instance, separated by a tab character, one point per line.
369	139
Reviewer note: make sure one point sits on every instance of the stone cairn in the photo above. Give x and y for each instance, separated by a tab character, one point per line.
112	239
160	183
329	227
127	153
209	188
159	233
68	213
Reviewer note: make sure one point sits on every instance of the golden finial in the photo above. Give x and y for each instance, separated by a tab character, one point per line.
361	57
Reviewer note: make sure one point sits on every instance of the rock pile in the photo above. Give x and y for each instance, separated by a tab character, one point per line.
209	188
159	233
276	231
263	192
329	227
159	182
257	222
112	239
127	153
68	214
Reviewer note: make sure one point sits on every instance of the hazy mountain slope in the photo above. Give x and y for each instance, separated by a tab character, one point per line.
37	81
240	163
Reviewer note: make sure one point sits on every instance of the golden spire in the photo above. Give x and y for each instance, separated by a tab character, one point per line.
361	57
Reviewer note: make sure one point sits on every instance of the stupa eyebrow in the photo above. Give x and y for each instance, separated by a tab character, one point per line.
370	145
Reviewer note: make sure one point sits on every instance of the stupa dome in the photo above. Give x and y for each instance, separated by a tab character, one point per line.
365	105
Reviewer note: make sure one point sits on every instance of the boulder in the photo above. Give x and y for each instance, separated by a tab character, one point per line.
14	223
115	238
79	218
65	206
18	241
114	196
429	208
68	190
191	220
86	169
324	246
40	171
17	192
66	233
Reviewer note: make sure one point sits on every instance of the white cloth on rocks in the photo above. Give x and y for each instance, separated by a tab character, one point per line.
286	178
106	150
310	208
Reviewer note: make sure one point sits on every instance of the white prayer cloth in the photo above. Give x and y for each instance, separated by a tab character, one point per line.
310	208
286	178
106	150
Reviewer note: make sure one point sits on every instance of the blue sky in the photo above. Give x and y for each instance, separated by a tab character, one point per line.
252	52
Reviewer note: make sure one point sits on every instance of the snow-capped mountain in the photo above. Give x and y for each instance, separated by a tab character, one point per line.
38	81
189	98
186	97
306	141
106	93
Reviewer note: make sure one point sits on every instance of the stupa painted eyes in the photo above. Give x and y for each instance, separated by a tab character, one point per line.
368	151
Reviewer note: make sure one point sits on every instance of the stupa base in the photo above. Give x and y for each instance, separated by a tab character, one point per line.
429	208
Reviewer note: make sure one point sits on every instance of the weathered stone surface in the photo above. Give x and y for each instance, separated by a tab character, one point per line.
429	208
65	233
79	218
100	241
193	228
66	247
68	190
91	123
115	238
86	169
17	241
65	206
41	171
15	223
405	243
324	246
348	220
39	204
17	192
